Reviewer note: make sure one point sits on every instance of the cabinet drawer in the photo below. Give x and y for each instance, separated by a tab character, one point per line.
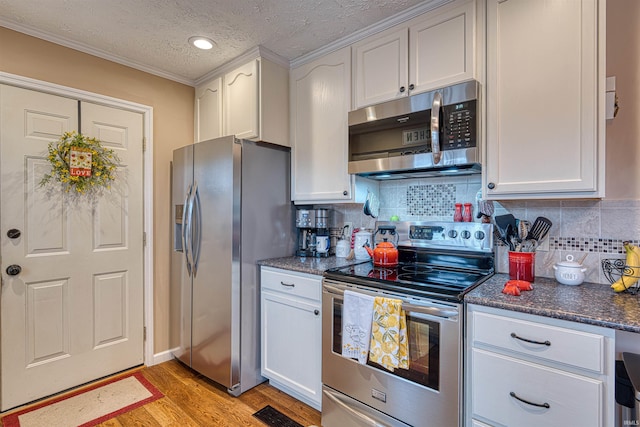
567	346
300	284
573	400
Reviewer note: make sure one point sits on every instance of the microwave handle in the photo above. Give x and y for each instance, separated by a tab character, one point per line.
435	127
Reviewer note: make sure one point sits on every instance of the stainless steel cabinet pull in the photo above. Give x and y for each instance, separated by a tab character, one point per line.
539	405
289	285
547	342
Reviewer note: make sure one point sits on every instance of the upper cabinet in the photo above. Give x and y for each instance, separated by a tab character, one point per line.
545	99
241	112
208	110
248	98
320	99
433	50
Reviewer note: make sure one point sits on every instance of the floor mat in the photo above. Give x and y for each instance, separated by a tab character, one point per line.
89	406
275	418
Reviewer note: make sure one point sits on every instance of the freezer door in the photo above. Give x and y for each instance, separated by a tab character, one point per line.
180	289
216	228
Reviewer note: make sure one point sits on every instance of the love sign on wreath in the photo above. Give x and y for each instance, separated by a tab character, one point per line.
80	165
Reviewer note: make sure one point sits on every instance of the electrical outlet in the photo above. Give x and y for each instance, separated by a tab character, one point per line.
348	230
544	245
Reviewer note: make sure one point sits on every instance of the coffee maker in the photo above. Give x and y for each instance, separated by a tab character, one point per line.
313	232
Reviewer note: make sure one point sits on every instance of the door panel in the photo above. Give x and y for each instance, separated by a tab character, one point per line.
74	313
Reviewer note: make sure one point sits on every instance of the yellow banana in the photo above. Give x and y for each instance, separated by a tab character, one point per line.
632	271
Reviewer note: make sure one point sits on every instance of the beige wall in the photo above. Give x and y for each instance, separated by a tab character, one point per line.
172	127
623	132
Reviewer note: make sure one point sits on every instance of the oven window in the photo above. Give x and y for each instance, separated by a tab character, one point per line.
424	348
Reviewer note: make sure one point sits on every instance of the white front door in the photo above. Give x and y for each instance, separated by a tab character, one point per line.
74	312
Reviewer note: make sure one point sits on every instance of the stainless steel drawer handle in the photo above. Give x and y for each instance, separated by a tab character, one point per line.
539	405
547	342
289	285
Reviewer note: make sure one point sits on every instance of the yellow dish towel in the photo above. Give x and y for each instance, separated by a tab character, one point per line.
389	334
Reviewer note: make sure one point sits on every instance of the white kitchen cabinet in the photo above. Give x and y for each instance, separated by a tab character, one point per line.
248	98
320	100
545	99
208	110
241	101
291	331
529	370
433	50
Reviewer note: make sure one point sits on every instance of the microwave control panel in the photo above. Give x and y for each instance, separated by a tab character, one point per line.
460	125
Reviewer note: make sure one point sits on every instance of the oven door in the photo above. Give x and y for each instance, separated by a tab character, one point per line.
429	390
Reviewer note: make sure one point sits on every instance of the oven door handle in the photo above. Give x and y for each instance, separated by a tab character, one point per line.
360	416
413	307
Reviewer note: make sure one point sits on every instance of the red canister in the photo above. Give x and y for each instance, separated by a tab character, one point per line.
522	266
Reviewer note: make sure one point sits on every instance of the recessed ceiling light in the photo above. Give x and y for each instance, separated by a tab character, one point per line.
201	42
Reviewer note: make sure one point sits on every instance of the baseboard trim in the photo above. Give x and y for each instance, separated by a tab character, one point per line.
163	356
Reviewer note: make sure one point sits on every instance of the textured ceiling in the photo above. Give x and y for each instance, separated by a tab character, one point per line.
153	34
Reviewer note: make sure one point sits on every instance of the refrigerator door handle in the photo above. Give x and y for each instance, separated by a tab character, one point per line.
186	229
197	224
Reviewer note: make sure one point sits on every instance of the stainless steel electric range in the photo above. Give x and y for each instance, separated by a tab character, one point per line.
438	263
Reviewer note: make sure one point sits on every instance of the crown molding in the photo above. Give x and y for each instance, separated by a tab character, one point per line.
254	53
385	24
63	41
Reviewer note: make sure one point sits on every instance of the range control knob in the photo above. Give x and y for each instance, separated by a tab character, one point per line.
453	234
479	235
466	234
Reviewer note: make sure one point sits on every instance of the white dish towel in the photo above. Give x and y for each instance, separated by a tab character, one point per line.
357	313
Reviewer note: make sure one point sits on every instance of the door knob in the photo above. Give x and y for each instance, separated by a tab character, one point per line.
14	270
13	233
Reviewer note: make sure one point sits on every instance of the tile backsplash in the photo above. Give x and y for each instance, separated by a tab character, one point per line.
595	227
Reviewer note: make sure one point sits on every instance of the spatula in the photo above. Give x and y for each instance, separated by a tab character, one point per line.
539	229
503	221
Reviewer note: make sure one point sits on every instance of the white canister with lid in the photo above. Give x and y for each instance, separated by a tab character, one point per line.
569	272
362	237
343	248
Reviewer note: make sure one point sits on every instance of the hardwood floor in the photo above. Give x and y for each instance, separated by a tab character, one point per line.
190	400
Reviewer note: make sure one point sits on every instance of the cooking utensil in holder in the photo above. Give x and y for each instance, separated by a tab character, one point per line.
614	268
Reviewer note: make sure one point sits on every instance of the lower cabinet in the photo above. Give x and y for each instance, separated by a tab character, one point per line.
526	370
291	329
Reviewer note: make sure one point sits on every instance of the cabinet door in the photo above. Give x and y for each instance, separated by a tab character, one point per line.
442	48
208	110
320	98
380	68
544	76
241	101
291	340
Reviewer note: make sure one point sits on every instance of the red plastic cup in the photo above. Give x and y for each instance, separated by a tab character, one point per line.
522	266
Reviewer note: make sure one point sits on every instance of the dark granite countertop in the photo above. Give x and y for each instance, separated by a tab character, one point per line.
309	265
591	303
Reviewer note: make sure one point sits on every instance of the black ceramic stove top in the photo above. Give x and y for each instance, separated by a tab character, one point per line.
412	278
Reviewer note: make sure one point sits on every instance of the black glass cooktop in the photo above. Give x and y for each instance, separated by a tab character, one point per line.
412	278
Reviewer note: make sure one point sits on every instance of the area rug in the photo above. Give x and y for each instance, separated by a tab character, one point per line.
89	406
272	417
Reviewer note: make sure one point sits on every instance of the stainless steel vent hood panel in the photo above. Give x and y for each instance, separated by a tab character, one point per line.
417	166
386	156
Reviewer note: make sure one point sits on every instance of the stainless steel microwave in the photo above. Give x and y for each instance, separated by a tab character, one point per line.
429	134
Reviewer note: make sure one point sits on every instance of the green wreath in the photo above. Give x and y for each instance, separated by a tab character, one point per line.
80	165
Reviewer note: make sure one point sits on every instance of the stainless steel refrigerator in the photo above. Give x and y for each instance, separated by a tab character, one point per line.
231	206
